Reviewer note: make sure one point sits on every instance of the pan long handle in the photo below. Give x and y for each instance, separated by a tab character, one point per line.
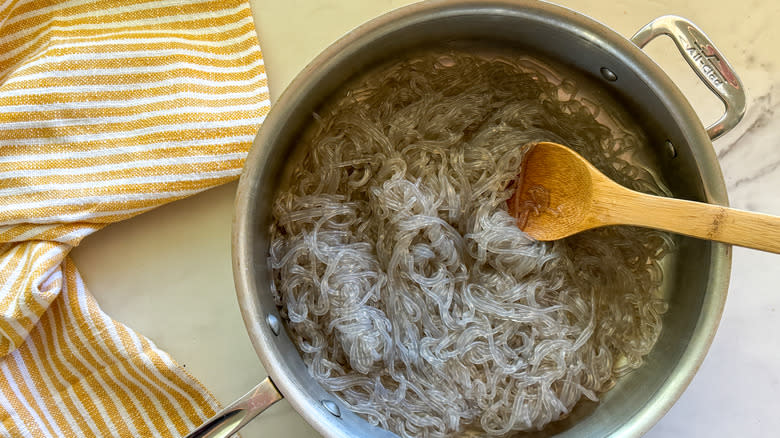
706	60
229	420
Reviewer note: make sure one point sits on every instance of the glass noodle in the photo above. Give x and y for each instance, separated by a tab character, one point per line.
407	287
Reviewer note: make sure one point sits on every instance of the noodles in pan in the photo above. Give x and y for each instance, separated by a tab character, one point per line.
408	288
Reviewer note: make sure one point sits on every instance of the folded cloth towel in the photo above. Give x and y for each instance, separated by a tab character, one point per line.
108	108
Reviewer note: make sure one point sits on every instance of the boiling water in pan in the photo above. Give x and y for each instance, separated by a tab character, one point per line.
405	284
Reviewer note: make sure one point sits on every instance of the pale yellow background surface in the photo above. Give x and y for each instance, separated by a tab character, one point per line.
182	296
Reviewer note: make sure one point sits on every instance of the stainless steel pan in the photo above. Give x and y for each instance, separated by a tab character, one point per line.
696	277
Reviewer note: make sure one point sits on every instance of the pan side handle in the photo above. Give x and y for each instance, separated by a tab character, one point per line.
706	61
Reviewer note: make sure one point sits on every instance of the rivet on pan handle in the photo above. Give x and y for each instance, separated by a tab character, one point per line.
708	63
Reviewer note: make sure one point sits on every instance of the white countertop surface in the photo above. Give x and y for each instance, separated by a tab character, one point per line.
182	296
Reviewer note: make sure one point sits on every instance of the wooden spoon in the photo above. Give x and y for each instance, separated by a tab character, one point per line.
559	194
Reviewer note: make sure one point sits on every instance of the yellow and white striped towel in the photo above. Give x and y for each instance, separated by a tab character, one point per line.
108	108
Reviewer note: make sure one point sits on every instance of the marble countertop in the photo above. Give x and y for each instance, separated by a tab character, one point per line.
182	297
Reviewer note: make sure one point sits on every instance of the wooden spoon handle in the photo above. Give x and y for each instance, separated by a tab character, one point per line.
705	221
